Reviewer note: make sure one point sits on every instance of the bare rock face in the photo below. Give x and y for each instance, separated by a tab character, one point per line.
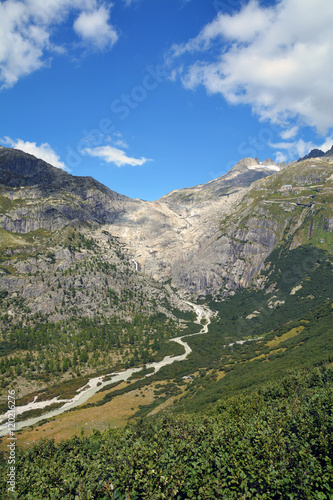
46	197
181	238
204	245
192	251
208	238
181	245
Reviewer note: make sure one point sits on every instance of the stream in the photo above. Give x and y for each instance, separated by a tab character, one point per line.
97	383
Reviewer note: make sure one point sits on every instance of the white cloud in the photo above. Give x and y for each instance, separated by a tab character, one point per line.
327	144
280	157
27	27
94	28
276	59
44	151
228	28
117	140
114	155
293	150
289	133
120	143
299	148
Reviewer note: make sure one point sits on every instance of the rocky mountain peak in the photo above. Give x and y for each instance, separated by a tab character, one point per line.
241	175
244	164
314	153
59	197
268	162
247	164
20	169
317	153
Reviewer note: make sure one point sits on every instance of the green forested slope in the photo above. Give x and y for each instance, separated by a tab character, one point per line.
275	443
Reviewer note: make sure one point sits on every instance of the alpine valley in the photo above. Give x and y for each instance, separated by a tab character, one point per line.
94	286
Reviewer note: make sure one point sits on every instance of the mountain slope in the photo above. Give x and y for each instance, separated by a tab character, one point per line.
201	239
162	238
242	175
187	251
35	195
224	240
294	206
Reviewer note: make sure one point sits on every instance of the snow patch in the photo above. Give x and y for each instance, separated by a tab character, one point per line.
269	167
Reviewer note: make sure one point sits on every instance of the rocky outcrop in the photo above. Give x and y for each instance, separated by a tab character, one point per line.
212	237
242	175
43	196
19	169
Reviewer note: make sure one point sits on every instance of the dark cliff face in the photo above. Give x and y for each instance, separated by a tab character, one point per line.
314	153
59	198
19	169
329	153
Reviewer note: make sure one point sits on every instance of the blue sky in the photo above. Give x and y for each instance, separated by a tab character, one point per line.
148	96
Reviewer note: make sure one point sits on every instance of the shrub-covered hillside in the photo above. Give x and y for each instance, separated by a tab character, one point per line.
275	443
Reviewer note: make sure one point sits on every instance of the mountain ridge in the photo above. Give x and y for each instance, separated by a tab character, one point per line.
202	239
241	175
317	153
27	170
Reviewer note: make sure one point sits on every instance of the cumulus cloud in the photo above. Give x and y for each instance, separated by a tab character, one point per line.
299	148
27	28
327	144
94	28
276	59
294	149
280	157
44	151
114	155
289	133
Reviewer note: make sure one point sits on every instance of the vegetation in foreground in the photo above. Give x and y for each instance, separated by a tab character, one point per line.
274	443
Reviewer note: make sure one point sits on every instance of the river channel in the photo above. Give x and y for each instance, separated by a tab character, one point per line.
97	383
